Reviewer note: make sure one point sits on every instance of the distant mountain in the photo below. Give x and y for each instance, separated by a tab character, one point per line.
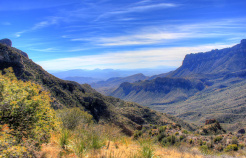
82	80
105	74
71	94
210	84
159	90
106	87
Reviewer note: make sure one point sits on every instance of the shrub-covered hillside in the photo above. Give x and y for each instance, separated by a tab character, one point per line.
26	118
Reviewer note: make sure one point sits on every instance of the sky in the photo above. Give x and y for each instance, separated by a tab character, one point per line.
120	34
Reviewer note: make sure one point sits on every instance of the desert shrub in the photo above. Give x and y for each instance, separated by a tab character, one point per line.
161	136
232	147
137	134
185	131
25	110
73	117
191	141
147	150
182	137
234	141
162	129
219	147
205	150
217	139
64	138
170	140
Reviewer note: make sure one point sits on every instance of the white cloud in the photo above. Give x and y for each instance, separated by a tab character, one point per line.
139	8
162	34
50	21
128	59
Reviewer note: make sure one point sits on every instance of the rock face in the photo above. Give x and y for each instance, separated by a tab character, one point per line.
6	41
215	61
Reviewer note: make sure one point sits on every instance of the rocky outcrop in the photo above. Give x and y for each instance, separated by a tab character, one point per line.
213	62
6	41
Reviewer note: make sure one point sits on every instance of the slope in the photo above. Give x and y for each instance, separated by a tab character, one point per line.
71	94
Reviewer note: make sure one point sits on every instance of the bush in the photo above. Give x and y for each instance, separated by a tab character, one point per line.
217	139
161	136
73	117
204	150
170	140
162	129
232	147
234	141
185	131
137	134
64	138
25	110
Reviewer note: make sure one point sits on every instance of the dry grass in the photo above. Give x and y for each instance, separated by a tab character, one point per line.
123	147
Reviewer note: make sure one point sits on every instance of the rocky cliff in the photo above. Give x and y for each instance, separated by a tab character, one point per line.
213	62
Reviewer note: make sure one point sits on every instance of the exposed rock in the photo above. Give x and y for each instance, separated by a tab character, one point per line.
215	61
210	121
6	41
241	131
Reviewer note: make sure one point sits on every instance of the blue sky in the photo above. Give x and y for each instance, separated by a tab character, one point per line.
120	34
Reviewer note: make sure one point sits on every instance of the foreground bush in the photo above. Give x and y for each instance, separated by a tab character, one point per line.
26	119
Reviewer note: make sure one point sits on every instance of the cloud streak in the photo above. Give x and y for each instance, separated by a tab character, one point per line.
136	9
128	59
163	34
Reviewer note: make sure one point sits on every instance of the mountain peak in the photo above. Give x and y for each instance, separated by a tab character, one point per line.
243	43
6	41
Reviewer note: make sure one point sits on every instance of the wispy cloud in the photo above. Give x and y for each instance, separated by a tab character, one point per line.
139	8
45	50
162	34
50	21
128	59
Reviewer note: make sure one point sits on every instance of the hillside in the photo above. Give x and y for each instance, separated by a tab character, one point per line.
160	90
71	94
207	85
108	86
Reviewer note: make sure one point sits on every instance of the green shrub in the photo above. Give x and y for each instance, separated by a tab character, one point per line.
25	110
162	129
64	138
161	136
181	137
177	133
232	147
147	150
204	150
234	141
170	140
191	141
137	134
185	131
73	117
217	139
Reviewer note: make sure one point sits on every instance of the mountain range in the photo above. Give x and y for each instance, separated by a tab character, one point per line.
66	94
207	85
